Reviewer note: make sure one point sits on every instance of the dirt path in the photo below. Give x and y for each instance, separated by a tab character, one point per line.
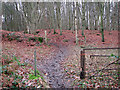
55	73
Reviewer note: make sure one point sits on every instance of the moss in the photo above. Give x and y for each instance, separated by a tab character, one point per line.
37	32
40	39
65	40
29	39
48	39
55	32
10	38
98	34
32	38
19	40
3	35
25	32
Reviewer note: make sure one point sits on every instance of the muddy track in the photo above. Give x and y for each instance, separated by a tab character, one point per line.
55	73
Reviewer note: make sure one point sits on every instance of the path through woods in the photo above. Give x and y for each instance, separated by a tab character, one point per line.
55	75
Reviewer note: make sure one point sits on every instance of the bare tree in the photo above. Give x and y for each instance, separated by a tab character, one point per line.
102	29
83	18
76	21
52	15
58	16
31	14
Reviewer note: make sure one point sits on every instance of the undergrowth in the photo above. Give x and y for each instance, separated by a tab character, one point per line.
16	74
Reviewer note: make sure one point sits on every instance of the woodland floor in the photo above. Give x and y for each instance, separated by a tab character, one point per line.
59	61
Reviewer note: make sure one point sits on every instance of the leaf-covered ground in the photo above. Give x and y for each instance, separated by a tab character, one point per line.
60	53
106	78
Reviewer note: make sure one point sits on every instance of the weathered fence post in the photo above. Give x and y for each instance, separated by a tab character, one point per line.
35	61
76	38
82	74
45	36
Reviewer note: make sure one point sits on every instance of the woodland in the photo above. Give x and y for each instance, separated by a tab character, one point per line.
58	45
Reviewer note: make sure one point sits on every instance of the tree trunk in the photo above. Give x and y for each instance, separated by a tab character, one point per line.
69	21
0	15
102	29
60	19
54	19
119	41
108	16
76	26
83	18
73	17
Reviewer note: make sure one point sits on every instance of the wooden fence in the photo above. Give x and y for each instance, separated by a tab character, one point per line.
83	59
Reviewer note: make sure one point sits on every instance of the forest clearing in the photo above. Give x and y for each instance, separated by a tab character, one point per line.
48	54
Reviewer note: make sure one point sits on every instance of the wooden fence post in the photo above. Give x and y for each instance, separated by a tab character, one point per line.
35	61
45	36
82	74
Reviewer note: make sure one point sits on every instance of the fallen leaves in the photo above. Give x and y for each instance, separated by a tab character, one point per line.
16	75
72	68
71	63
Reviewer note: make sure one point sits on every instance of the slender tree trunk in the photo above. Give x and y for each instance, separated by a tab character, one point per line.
57	15
60	19
69	21
72	21
96	16
87	15
102	29
76	26
119	16
73	17
23	14
0	18
118	40
54	19
108	16
83	18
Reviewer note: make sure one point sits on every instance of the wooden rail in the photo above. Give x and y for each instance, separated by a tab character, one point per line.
99	56
100	48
